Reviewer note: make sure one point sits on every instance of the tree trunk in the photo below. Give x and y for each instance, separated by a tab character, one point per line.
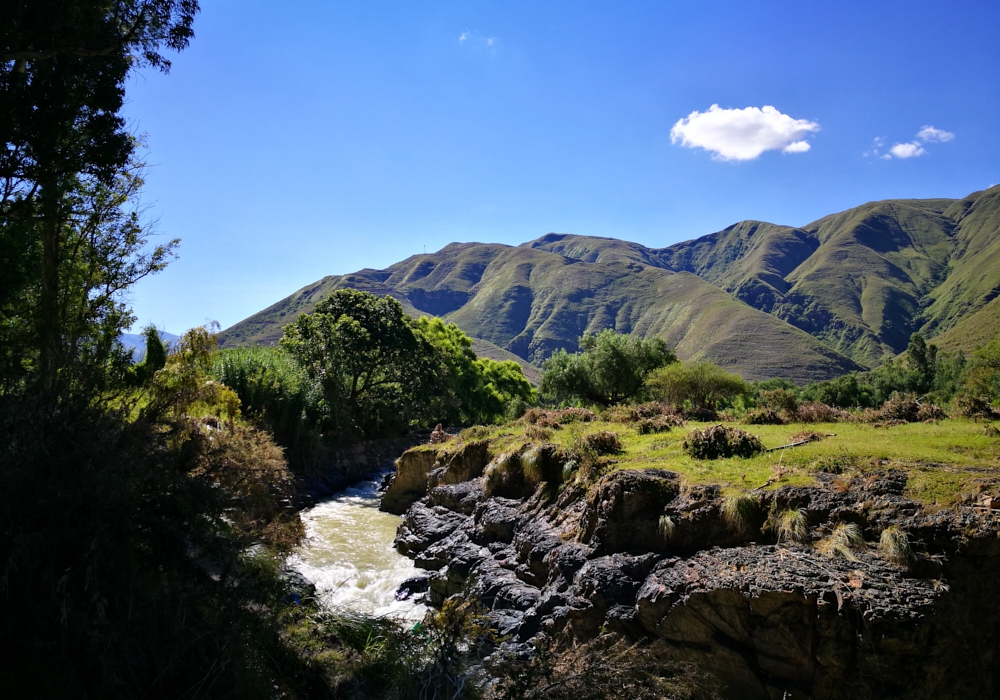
49	332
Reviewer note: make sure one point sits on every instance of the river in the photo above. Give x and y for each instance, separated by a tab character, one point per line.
348	555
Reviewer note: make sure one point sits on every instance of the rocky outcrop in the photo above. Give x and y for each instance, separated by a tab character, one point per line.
640	553
427	466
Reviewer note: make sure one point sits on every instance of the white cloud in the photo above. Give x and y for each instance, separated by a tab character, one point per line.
742	134
929	133
796	147
912	149
877	143
473	38
907	150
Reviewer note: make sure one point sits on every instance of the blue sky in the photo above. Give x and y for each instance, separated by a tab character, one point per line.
297	140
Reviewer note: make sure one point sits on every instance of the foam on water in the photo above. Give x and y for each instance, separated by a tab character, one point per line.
348	555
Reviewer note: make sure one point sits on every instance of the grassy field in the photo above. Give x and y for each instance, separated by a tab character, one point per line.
945	460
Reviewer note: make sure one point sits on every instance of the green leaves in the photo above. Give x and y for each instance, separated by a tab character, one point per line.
701	384
377	372
611	368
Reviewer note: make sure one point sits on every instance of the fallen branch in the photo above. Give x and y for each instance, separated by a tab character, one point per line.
799	443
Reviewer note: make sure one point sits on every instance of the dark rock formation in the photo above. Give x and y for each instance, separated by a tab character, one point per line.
642	554
336	467
419	468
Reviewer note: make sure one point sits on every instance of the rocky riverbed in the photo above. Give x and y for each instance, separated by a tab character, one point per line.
642	553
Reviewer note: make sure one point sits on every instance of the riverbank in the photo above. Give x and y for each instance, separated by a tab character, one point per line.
827	578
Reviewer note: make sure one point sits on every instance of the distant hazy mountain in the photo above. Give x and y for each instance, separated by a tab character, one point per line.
137	344
761	299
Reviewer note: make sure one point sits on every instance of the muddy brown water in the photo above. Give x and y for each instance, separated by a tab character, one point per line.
348	555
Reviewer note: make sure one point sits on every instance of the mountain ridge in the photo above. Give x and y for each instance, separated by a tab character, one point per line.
805	303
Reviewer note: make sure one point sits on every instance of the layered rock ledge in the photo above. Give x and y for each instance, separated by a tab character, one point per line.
641	553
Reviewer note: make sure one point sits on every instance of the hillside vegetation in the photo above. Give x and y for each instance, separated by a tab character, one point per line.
764	300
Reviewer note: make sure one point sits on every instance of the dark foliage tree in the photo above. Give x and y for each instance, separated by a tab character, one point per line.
377	372
611	368
63	65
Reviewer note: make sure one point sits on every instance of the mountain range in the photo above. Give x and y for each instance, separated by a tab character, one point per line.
764	300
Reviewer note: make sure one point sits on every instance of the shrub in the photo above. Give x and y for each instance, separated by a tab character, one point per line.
658	424
276	394
901	407
700	413
475	432
634	414
764	416
536	432
571	415
555	419
815	412
603	442
930	411
780	400
991	431
700	384
974	407
620	414
719	441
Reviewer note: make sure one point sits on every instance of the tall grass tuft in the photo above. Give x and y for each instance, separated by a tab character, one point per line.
666	527
894	546
740	510
793	526
277	394
845	541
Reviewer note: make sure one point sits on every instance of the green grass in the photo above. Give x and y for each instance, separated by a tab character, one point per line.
944	460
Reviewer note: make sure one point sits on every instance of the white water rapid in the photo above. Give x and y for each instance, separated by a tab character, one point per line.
348	555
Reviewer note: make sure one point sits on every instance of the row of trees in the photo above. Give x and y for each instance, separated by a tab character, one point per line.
611	368
922	370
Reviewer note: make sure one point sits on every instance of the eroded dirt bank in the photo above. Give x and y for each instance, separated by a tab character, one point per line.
641	553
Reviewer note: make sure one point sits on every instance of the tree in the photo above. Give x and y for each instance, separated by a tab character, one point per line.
982	377
505	387
845	392
377	372
479	390
701	384
62	76
922	360
609	369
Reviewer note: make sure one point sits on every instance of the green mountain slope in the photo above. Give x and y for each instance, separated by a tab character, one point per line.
862	281
972	331
531	302
758	298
